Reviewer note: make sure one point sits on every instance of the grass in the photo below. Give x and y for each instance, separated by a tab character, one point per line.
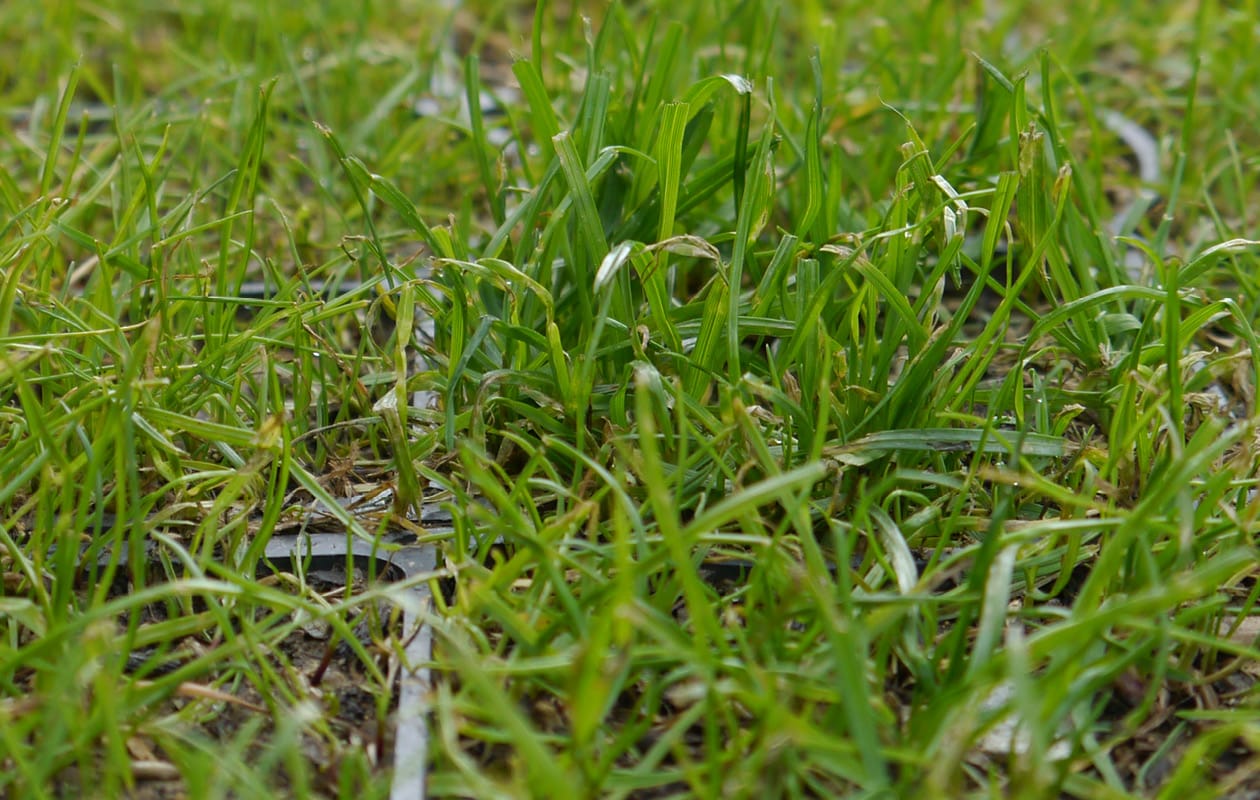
823	403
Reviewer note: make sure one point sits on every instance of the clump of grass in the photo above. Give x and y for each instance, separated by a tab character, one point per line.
804	426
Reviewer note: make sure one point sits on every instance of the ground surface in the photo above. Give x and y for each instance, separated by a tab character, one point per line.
825	400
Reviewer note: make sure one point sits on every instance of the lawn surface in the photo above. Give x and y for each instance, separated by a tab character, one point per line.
825	399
